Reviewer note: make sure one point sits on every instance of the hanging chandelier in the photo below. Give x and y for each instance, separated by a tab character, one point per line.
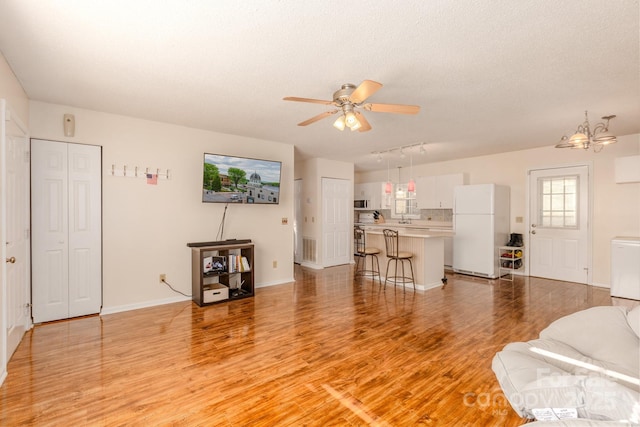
585	137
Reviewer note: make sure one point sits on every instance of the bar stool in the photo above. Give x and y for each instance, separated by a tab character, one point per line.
362	252
391	240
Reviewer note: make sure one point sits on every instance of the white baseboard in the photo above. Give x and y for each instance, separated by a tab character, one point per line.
179	298
313	266
144	304
279	282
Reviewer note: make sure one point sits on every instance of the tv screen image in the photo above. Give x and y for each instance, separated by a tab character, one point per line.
233	179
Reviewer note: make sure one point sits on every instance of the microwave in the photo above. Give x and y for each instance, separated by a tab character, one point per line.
360	204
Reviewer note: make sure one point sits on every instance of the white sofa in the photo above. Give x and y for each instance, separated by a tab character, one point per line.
586	364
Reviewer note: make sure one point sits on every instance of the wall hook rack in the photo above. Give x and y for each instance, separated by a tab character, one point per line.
137	172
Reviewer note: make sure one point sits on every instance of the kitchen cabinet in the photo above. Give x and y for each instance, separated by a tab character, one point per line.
370	191
436	192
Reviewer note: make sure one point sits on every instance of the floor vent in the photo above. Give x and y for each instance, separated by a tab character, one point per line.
308	249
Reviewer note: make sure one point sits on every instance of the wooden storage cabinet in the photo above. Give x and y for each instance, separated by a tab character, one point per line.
222	273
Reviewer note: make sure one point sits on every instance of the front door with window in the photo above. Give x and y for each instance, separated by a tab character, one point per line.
559	213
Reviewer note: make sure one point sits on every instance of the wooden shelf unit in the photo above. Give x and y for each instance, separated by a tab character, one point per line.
511	260
230	283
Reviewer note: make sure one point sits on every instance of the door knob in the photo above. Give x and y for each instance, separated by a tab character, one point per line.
533	232
11	260
533	225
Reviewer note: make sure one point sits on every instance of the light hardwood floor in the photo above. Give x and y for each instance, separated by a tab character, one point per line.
322	351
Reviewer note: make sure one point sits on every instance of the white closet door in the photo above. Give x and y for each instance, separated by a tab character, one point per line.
49	213
85	248
66	230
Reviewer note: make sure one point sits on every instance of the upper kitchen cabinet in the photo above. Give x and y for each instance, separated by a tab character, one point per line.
436	192
369	192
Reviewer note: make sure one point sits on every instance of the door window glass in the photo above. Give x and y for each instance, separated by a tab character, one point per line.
558	202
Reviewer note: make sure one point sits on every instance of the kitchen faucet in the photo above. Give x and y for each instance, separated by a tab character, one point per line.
403	221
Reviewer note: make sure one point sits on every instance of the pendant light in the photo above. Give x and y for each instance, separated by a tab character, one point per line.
411	186
388	187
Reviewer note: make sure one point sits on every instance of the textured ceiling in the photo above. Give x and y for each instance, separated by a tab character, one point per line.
489	75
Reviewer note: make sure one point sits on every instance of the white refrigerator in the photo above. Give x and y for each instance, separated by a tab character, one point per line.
481	224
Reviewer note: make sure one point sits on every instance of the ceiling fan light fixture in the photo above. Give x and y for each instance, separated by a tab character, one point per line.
350	97
350	119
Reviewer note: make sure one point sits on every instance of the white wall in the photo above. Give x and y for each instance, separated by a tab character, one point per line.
11	90
616	207
146	227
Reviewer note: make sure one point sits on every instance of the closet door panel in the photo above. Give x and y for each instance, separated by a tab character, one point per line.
49	212
85	230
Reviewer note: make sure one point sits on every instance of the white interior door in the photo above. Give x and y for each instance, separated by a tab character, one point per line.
16	301
336	204
66	221
559	223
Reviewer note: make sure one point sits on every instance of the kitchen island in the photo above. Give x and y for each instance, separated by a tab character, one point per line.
426	245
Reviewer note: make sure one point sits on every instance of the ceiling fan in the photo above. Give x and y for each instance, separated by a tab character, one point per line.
348	99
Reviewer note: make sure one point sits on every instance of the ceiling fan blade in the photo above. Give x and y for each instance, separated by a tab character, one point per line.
365	90
318	117
364	124
392	108
314	101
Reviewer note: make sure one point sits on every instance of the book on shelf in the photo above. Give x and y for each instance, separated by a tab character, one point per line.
245	264
238	264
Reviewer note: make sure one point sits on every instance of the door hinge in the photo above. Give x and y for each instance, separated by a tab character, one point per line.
27	156
27	233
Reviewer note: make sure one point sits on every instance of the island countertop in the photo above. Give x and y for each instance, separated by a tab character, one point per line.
409	230
425	244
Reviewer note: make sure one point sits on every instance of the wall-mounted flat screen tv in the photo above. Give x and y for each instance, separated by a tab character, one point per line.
232	179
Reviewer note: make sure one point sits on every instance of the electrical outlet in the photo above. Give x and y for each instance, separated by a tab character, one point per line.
275	264
285	221
163	277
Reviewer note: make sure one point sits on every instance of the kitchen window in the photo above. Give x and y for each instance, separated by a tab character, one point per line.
404	204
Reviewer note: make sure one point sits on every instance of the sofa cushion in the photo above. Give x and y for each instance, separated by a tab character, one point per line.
602	334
